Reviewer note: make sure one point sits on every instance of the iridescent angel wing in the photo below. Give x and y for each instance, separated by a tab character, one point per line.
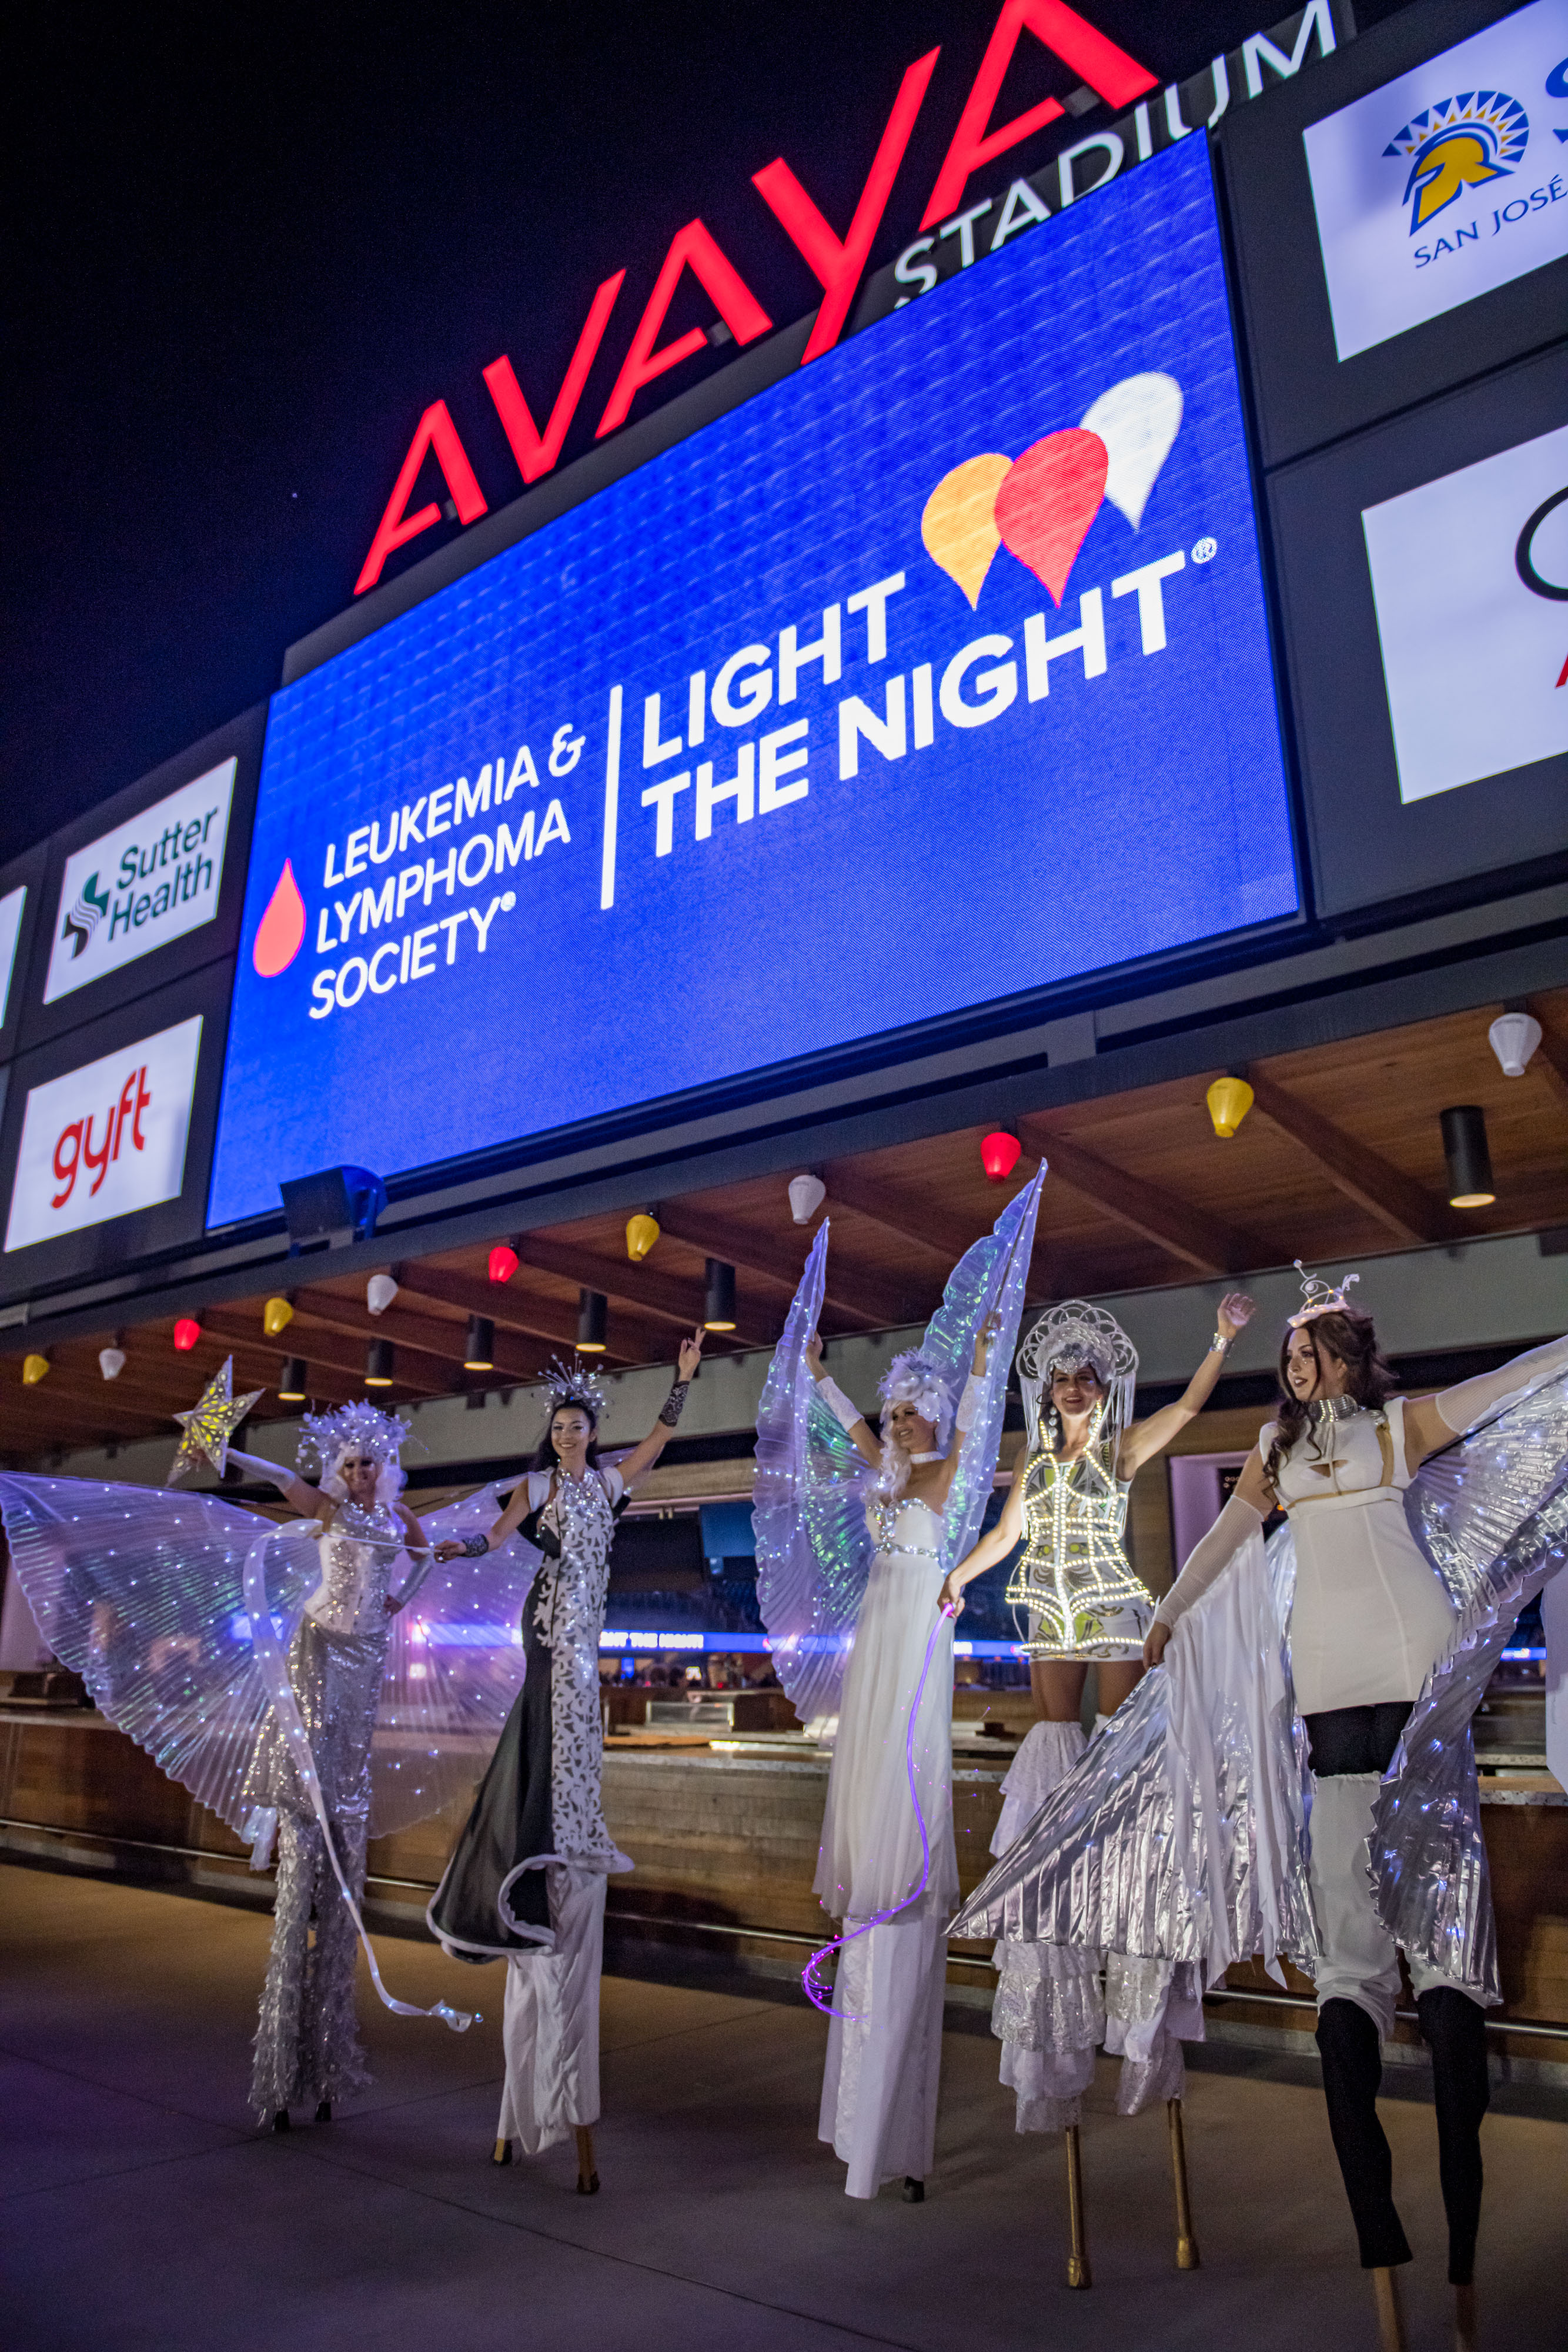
139	1591
1492	1514
455	1665
813	1547
988	1279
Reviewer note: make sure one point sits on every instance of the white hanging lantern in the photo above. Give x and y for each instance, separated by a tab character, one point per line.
1514	1037
807	1194
380	1292
111	1362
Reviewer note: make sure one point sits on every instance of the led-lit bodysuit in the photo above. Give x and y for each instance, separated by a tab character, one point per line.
1074	1578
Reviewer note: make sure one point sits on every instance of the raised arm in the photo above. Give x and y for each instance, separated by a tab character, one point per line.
990	1548
844	1409
1433	1421
1209	1557
1145	1439
969	1405
643	1458
308	1500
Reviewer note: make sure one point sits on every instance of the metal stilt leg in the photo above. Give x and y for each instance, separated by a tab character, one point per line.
1390	2319
1464	2320
587	2178
1077	2271
1187	2244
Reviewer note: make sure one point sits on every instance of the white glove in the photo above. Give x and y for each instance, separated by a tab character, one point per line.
969	1410
1470	1401
844	1410
1209	1558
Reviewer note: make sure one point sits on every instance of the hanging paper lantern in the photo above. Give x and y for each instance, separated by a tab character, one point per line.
380	1292
34	1369
111	1362
1000	1156
642	1233
1514	1037
503	1262
187	1331
807	1194
1229	1101
275	1317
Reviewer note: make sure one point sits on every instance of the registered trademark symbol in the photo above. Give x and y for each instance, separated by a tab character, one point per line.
1206	550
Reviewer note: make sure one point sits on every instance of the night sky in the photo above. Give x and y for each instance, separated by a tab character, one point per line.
246	247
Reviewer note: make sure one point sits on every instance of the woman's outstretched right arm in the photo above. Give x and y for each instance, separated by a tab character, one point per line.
1209	1557
309	1501
990	1548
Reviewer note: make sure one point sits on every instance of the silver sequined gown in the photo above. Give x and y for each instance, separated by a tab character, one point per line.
307	2043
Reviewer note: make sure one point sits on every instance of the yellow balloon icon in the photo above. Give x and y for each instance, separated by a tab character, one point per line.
959	524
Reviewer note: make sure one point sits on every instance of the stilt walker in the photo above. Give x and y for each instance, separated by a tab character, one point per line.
1298	1780
853	1537
526	1880
1086	1606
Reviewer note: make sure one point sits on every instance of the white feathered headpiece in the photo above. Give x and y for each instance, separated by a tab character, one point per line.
1067	1338
326	1439
920	1381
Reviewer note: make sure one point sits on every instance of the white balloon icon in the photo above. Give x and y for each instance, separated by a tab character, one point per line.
1138	420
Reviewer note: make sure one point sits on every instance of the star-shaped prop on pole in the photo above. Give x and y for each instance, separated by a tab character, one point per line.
211	1422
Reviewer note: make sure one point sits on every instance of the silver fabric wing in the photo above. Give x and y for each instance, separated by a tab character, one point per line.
139	1589
813	1547
988	1279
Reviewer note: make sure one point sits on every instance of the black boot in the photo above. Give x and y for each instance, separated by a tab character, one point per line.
1353	2070
1454	2028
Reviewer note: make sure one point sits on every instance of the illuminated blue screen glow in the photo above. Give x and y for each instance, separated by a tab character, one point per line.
532	894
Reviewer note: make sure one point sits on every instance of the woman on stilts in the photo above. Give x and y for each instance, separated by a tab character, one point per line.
849	1569
1086	1606
527	1879
1298	1781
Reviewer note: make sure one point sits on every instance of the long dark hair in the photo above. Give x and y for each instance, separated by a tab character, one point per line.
545	1455
1352	1338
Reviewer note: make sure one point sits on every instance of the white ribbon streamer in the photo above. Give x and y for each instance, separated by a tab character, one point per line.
274	1665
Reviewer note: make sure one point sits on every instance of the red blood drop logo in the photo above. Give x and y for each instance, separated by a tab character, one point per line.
1048	501
280	934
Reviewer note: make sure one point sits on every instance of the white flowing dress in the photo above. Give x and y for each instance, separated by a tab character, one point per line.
884	2051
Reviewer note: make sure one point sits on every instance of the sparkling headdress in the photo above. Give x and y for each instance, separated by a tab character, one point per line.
1065	1339
326	1438
576	1383
918	1380
1321	1298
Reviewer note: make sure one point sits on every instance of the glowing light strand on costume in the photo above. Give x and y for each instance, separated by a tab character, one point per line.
1104	1582
815	1992
274	1668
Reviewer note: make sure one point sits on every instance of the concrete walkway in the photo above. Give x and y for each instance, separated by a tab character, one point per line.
139	2211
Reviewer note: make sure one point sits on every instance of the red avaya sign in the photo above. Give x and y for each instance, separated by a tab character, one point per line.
838	267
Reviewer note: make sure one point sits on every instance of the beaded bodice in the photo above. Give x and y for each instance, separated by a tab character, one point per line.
359	1548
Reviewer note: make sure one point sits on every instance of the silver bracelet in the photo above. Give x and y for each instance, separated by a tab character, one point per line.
1219	1341
475	1547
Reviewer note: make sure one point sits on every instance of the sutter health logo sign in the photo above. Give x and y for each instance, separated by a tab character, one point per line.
150	880
107	1138
1450	181
1469	574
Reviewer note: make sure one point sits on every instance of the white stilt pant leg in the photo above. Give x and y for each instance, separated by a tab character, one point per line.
550	2026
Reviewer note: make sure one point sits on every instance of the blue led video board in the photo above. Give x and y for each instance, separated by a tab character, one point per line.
934	675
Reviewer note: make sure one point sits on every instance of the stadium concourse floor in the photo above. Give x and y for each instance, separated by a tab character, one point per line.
140	2212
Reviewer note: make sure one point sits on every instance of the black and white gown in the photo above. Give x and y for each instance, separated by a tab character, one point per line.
527	1879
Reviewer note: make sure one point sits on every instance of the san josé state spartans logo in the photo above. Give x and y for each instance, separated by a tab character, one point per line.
1459	145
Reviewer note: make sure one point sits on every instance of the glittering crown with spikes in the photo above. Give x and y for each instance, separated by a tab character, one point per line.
326	1437
1322	1297
1065	1339
919	1380
576	1383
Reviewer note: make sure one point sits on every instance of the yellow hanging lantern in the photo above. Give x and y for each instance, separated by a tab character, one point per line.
642	1233
275	1317
1229	1101
33	1369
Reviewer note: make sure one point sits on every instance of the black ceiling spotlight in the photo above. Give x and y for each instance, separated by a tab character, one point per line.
718	1306
336	1207
379	1361
1465	1147
291	1387
479	1356
592	1322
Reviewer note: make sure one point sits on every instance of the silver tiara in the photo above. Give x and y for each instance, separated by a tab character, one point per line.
1065	1339
326	1437
1321	1298
576	1383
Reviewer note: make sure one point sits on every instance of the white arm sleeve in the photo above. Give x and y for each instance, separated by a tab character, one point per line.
1209	1558
968	1403
1469	1402
844	1410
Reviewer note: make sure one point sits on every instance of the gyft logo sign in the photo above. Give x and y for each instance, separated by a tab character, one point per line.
107	1138
150	880
1445	182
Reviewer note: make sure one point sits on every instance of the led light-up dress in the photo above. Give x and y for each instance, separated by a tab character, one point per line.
152	1597
1297	1779
848	1578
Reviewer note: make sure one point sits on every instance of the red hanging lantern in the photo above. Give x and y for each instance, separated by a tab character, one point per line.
998	1156
187	1331
503	1262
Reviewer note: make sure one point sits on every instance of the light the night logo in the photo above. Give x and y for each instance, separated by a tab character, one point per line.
1459	145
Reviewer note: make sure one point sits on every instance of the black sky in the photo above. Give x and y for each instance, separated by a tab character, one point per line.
247	247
